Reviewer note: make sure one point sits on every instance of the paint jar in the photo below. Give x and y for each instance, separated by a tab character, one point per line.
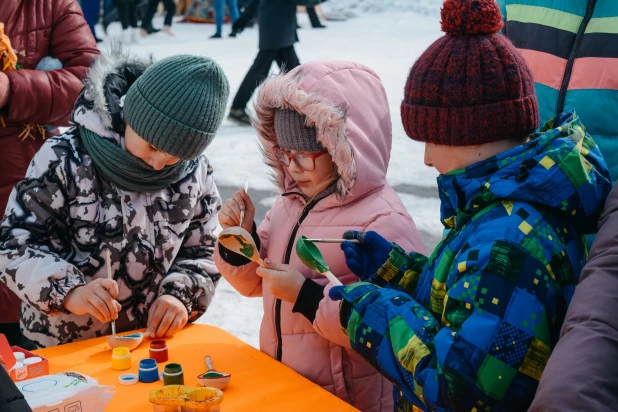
158	351
148	371
32	360
121	359
19	356
173	375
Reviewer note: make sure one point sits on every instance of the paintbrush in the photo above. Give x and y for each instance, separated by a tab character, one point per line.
333	240
110	276
242	212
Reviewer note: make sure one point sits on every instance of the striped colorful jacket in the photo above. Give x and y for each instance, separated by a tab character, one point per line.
471	327
572	48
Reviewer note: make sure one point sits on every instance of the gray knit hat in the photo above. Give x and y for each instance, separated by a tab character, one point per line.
178	104
293	134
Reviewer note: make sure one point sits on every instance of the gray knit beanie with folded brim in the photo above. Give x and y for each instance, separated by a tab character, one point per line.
178	104
293	133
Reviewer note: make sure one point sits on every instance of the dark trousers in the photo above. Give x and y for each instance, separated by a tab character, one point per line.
92	11
170	10
286	58
313	16
127	11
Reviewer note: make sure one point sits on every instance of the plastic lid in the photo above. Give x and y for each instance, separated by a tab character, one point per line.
148	364
172	369
19	356
128	379
158	344
33	360
121	352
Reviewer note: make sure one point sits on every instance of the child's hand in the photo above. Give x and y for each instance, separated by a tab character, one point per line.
166	316
229	215
283	281
365	258
97	298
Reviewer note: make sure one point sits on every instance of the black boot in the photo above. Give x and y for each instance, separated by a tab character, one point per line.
216	36
240	116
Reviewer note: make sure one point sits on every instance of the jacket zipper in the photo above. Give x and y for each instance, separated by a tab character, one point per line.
288	254
569	66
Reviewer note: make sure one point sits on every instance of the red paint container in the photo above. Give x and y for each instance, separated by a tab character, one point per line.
158	351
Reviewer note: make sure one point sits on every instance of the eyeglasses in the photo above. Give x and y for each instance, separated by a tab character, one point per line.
304	161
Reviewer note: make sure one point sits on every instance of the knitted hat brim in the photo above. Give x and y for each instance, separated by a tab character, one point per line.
163	132
484	123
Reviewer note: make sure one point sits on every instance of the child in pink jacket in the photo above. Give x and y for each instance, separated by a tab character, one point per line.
325	129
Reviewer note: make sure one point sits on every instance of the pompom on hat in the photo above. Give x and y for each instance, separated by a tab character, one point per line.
471	86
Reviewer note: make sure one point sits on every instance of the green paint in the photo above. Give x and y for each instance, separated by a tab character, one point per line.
310	255
211	375
246	249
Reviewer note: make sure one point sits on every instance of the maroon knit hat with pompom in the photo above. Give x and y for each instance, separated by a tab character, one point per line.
471	86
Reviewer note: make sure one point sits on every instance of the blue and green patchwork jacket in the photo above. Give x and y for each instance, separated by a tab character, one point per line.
472	327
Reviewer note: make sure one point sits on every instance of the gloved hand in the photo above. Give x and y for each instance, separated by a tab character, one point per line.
365	258
336	292
240	24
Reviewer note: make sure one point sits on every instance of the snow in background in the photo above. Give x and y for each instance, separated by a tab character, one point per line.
389	42
377	6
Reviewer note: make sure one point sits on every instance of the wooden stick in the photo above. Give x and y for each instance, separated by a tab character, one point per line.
333	240
332	278
242	212
108	261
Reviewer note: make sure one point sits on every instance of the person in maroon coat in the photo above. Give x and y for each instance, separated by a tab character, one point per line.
37	29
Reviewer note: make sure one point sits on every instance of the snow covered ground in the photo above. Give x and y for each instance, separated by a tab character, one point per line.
388	42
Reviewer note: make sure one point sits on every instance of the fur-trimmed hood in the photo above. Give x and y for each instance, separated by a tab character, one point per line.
99	105
347	104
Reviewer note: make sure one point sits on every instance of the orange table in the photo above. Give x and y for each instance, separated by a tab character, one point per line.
259	383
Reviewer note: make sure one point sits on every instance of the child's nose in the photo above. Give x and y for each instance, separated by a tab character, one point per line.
157	162
293	167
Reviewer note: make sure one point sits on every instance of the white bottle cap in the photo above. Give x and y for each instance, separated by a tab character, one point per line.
32	361
17	365
19	356
128	379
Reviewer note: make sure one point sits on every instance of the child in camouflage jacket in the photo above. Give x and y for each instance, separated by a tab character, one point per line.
130	179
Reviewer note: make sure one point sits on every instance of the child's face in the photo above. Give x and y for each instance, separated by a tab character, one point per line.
141	149
311	182
448	158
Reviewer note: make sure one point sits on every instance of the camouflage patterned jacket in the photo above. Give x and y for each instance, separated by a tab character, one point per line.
63	216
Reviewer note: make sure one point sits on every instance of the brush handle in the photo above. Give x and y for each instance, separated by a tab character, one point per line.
209	366
333	240
242	212
332	279
108	262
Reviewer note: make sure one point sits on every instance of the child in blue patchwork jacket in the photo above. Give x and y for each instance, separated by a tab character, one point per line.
472	326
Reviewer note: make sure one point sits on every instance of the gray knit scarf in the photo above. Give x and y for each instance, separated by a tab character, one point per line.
127	171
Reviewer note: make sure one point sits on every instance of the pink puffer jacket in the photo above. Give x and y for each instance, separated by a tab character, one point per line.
348	106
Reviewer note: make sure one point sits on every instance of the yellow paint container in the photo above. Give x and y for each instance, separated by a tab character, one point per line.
121	359
180	398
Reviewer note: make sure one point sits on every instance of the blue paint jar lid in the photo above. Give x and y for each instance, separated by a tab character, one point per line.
128	379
